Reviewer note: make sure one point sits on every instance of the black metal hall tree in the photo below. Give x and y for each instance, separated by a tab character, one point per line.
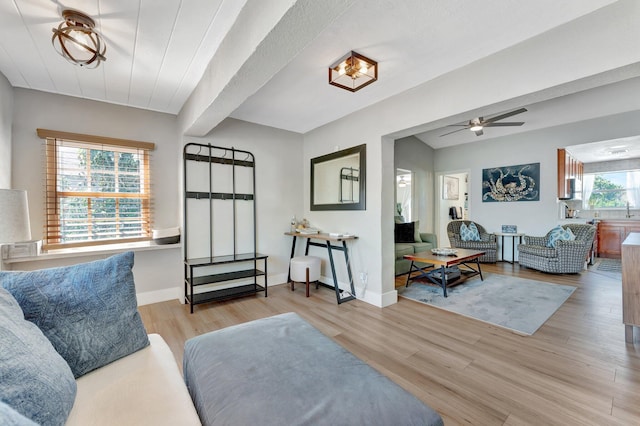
211	177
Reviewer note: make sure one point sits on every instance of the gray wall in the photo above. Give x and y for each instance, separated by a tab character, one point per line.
279	180
412	154
154	270
279	176
6	118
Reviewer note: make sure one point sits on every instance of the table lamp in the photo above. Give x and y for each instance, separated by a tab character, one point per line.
14	216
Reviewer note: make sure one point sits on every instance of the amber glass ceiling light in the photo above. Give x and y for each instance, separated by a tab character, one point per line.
77	41
353	72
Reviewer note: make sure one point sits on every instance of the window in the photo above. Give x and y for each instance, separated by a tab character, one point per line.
97	190
612	189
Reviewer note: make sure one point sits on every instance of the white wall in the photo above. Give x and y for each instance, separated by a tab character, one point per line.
6	118
155	270
278	156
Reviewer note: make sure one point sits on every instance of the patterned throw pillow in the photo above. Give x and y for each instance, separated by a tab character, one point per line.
469	233
559	233
88	311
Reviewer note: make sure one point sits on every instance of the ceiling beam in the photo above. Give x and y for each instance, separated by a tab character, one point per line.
265	37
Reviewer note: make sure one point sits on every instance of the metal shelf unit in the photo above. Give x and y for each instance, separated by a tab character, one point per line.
203	271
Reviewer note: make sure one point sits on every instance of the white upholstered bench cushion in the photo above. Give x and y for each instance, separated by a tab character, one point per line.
144	388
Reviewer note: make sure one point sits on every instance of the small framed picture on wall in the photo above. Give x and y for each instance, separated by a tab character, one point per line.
450	188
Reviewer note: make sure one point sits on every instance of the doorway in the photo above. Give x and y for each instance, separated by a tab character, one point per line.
404	194
452	201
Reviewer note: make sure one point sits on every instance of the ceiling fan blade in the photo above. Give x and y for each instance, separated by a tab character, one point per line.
479	133
505	115
453	132
505	124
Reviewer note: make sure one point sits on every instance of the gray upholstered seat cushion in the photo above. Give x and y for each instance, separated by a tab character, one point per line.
282	371
403	248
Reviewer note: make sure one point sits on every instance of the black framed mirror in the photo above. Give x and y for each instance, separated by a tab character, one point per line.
338	180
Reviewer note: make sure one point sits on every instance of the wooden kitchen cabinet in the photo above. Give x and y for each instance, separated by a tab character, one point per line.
569	170
611	234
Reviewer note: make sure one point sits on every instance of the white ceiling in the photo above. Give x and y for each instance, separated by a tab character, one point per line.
158	51
414	41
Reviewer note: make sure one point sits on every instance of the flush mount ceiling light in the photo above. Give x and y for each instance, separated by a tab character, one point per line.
353	72
476	125
77	41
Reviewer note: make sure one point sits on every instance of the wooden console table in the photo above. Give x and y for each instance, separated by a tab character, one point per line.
631	284
341	295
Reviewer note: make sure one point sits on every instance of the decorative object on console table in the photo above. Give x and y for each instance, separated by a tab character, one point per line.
509	229
511	183
450	188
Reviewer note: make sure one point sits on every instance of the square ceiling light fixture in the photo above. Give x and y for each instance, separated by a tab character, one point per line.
353	72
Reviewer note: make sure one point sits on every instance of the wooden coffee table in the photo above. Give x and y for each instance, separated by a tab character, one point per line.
440	275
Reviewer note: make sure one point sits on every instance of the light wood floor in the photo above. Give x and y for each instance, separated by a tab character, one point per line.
575	370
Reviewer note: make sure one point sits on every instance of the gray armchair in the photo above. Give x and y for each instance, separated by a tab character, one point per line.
568	257
487	243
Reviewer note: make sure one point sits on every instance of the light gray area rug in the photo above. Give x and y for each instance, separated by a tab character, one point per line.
518	304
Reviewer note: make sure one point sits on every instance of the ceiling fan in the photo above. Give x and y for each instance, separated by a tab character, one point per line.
477	124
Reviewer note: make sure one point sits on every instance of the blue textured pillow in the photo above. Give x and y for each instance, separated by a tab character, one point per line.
556	235
469	233
34	379
88	311
560	233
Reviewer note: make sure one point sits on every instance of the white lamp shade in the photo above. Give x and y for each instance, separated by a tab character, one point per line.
14	216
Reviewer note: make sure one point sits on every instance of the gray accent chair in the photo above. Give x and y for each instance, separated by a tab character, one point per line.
488	242
568	257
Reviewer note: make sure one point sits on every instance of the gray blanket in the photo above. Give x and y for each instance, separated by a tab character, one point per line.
282	371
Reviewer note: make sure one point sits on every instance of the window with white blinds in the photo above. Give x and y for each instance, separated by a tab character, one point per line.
98	190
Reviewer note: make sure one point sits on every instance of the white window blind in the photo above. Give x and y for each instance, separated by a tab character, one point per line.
98	190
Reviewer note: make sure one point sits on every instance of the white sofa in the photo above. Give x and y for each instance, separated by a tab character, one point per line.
144	388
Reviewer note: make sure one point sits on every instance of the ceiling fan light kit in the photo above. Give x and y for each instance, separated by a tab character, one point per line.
76	40
477	124
353	71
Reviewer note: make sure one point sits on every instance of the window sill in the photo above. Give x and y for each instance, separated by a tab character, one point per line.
94	251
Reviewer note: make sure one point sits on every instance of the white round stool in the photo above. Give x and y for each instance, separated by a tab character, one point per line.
305	269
